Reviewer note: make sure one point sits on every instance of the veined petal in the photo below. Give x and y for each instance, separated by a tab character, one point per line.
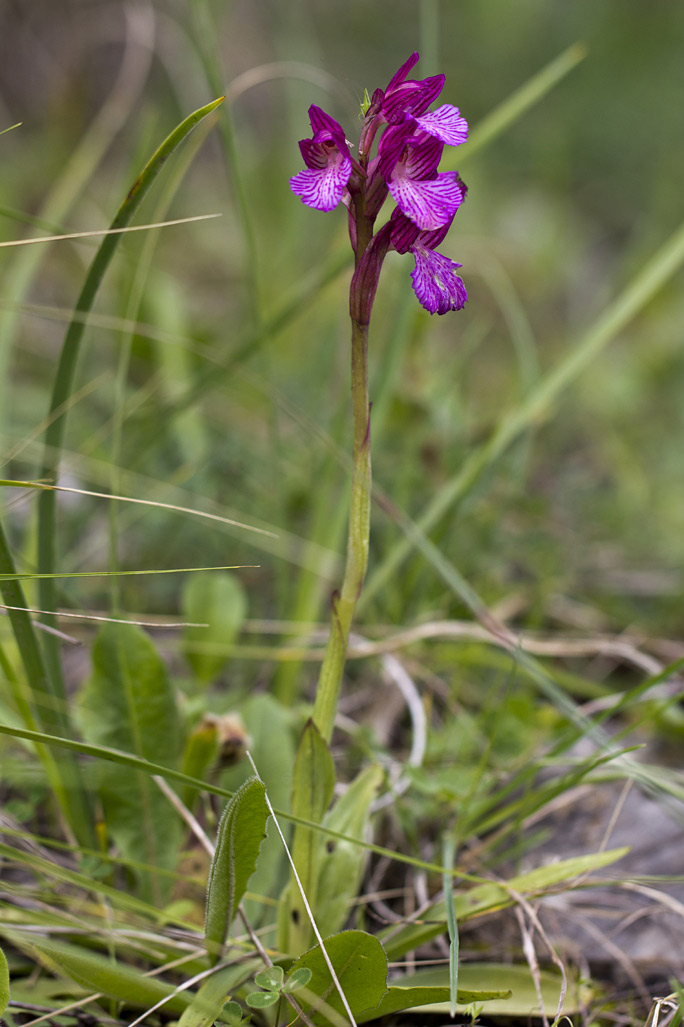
403	71
429	204
446	123
322	187
424	155
435	282
412	97
327	127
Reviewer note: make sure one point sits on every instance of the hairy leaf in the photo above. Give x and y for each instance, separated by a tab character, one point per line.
241	832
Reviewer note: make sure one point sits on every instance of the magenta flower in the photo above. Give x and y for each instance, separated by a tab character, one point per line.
406	167
408	163
328	165
435	283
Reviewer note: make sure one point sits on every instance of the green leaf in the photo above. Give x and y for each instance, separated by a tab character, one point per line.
200	753
218	600
4	983
96	973
262	999
129	704
240	834
485	897
342	863
361	968
271	978
210	1001
272	747
312	791
232	1013
397	998
518	997
299	979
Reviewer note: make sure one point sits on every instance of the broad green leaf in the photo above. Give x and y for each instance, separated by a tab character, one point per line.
515	980
96	973
361	968
241	832
342	863
129	704
397	998
485	897
313	785
213	994
219	601
272	747
4	983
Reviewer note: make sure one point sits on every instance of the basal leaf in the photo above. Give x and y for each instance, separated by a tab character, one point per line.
313	785
129	704
361	968
397	998
219	601
517	998
241	832
341	862
272	747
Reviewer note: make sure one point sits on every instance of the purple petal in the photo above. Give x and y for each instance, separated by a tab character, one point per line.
392	146
323	187
424	155
412	97
327	126
446	123
430	204
403	71
435	282
404	232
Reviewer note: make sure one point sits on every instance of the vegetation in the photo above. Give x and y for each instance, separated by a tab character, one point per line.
198	824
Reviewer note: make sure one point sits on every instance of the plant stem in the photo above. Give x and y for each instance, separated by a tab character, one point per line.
344	603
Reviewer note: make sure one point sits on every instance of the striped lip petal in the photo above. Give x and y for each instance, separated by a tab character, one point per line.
322	186
435	282
446	124
430	204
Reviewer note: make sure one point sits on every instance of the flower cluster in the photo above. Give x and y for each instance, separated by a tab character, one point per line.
405	167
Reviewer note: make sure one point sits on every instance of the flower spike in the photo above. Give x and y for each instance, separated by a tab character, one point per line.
405	168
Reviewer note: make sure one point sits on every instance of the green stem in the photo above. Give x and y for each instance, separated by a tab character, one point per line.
344	603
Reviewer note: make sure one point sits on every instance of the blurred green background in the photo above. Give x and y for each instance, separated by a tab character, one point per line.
223	411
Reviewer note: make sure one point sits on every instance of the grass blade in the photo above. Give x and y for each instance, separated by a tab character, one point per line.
64	379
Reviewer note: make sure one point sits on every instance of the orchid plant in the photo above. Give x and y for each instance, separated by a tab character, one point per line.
405	166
